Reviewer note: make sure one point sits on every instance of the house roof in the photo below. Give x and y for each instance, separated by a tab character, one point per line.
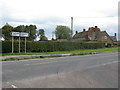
90	31
113	38
80	34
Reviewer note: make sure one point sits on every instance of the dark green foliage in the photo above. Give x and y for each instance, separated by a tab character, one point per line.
6	30
49	46
41	35
31	29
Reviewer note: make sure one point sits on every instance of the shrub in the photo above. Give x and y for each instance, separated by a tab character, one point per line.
48	46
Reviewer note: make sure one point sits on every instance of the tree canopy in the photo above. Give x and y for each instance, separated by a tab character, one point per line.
6	30
31	29
41	35
63	32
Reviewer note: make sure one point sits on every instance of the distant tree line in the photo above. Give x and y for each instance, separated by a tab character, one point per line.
61	32
31	29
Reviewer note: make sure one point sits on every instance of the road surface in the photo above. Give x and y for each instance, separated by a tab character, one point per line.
89	71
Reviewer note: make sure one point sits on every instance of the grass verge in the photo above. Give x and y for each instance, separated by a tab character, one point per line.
64	52
71	53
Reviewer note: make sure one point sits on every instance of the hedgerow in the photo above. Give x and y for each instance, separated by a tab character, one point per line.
48	46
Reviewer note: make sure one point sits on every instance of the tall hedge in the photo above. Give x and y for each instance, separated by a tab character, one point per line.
48	46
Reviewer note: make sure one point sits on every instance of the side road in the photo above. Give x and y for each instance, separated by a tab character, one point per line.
22	57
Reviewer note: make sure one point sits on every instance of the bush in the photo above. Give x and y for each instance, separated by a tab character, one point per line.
48	46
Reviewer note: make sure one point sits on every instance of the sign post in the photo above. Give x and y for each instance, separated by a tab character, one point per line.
13	34
18	34
22	34
19	44
25	44
12	44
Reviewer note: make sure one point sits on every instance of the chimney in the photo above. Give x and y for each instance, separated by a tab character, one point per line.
96	26
83	30
115	34
76	32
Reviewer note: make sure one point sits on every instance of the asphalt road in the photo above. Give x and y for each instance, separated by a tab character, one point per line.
100	70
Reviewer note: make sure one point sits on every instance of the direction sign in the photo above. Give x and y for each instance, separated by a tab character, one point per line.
22	34
15	34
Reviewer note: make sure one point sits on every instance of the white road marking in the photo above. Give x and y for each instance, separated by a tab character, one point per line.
46	62
13	86
57	61
103	64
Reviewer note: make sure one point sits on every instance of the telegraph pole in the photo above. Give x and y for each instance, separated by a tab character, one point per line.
72	25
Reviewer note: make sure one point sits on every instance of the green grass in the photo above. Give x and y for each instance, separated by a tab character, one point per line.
64	52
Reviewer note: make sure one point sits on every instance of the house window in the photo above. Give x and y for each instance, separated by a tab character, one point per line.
104	37
89	37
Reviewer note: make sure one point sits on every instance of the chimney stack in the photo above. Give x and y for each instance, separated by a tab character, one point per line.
115	34
83	30
76	32
96	26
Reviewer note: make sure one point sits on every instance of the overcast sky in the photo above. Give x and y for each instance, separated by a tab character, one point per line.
47	14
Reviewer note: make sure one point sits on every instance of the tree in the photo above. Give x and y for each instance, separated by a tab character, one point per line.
63	32
41	32
41	35
31	29
43	38
6	30
20	28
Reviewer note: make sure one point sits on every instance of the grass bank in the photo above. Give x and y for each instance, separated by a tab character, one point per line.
64	52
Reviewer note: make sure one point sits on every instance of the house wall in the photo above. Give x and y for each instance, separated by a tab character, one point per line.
104	37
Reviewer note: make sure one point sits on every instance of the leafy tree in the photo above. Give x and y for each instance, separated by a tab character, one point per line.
52	39
43	38
63	32
20	28
6	30
32	32
41	32
41	35
31	29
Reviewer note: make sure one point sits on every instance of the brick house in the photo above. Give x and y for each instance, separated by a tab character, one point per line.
94	34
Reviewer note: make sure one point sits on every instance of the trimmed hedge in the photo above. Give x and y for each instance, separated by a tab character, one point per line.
48	46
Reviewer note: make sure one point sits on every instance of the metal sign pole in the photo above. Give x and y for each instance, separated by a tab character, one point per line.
12	44
25	44
19	44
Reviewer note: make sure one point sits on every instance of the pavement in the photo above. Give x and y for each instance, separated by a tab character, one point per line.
89	71
24	56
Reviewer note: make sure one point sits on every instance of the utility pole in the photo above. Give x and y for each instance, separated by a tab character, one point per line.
72	25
